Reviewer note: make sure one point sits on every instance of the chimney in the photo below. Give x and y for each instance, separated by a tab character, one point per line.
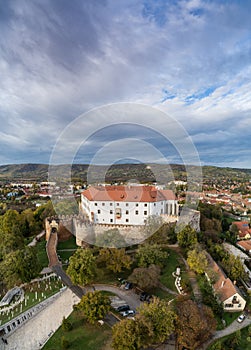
222	283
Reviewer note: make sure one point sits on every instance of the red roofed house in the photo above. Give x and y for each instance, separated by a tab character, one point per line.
127	205
245	245
244	232
227	292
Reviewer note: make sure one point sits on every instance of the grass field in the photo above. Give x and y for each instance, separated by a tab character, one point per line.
41	253
166	276
69	244
34	293
82	336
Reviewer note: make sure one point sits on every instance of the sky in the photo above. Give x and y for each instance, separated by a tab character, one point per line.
186	61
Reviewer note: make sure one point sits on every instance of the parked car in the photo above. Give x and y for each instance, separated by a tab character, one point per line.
123	308
127	313
143	296
241	318
128	285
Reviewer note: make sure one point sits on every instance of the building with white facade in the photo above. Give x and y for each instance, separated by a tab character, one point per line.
127	205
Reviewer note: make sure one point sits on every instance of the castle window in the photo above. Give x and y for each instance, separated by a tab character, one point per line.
111	220
127	220
136	212
99	211
95	204
111	212
127	212
145	204
145	212
127	204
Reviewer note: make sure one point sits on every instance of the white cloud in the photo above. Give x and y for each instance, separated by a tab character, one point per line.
58	61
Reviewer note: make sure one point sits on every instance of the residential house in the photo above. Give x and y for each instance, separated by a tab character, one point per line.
245	245
225	290
244	232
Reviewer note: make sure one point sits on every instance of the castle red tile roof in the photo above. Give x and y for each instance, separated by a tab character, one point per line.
128	194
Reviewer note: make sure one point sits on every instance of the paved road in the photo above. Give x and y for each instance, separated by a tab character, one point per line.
129	296
233	327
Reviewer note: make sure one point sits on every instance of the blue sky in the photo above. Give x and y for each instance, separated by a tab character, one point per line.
188	58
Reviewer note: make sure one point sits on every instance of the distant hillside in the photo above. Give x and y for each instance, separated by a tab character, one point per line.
119	172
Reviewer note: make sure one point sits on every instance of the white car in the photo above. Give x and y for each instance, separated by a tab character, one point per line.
241	318
127	313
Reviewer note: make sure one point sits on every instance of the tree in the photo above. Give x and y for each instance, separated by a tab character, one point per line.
151	254
234	267
187	237
127	335
158	319
194	325
115	259
145	277
95	305
66	325
197	260
81	267
111	238
19	266
10	233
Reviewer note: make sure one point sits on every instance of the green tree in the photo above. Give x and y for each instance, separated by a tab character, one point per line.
148	254
115	259
66	325
197	260
81	267
234	267
111	238
10	233
146	277
95	305
159	320
19	266
187	237
127	335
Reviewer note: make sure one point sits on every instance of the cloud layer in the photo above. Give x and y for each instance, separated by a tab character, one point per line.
189	58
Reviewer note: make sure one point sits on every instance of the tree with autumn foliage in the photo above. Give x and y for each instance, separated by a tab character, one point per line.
115	259
145	278
197	260
153	324
187	237
159	320
195	324
95	305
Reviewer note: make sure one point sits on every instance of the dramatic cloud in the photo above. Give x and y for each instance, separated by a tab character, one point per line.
189	58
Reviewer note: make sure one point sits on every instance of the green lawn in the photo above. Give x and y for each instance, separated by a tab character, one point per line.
82	336
69	244
173	261
41	253
161	294
41	290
